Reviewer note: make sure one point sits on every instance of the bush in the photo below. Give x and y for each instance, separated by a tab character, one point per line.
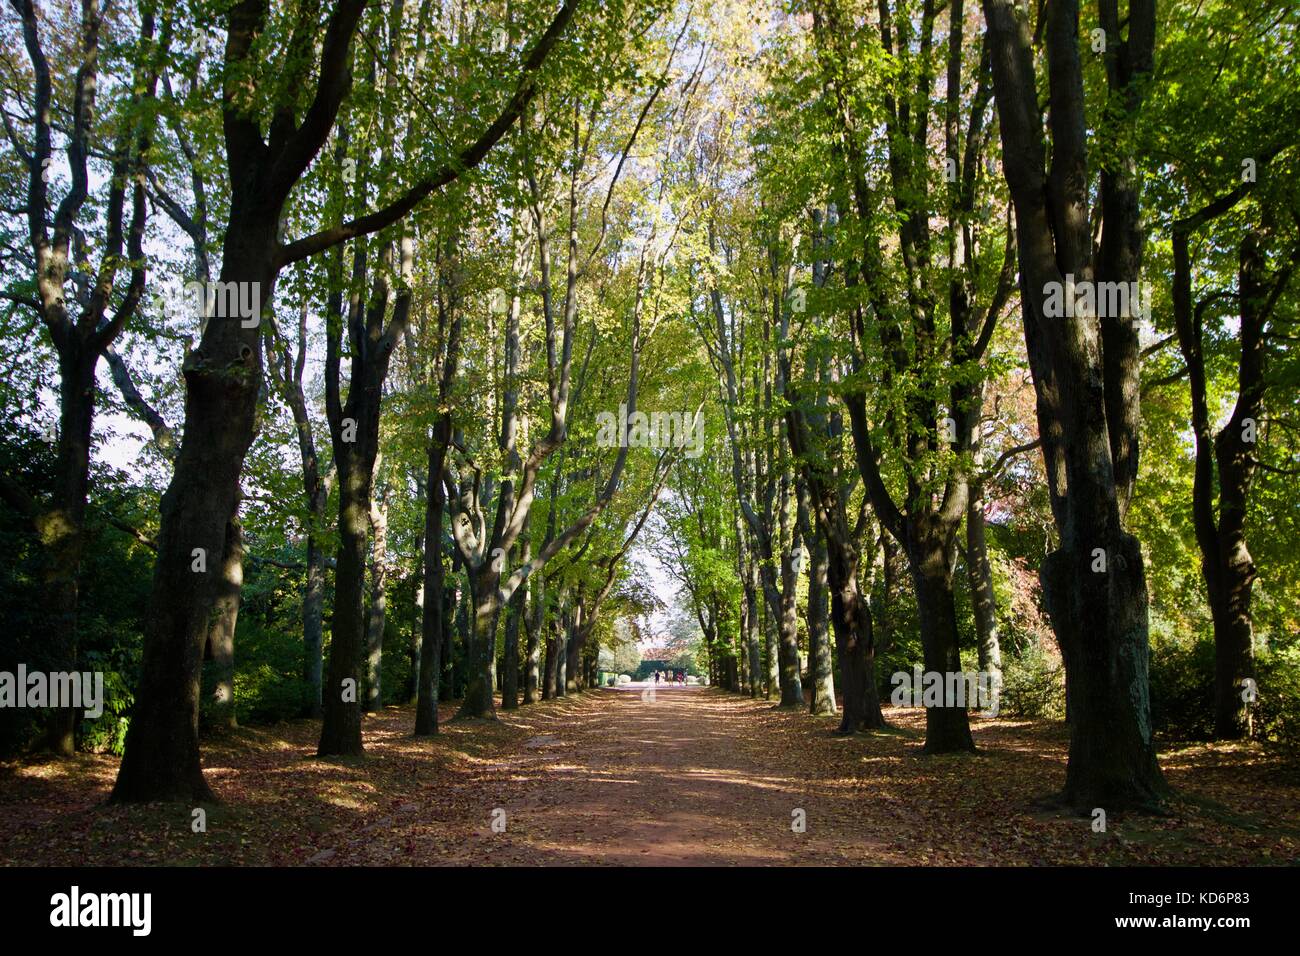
107	733
1182	688
395	676
1033	684
268	675
1277	712
1182	682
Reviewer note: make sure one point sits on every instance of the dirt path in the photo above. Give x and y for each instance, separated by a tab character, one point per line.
649	776
697	776
694	776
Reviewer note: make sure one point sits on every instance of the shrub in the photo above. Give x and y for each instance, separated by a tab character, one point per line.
268	675
1033	684
1277	712
107	733
1182	682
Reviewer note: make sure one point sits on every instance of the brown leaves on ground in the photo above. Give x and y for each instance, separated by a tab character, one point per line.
694	776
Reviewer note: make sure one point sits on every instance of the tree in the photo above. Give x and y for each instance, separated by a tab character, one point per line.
223	374
1246	237
77	308
898	324
1086	370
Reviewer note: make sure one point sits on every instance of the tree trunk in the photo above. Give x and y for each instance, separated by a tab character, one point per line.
432	631
562	653
533	627
61	530
573	650
742	652
1085	382
854	641
1096	614
313	625
947	727
772	685
375	615
478	702
458	628
222	375
341	727
752	637
510	673
787	606
220	714
1234	651
411	693
1226	564
983	600
550	668
821	663
893	574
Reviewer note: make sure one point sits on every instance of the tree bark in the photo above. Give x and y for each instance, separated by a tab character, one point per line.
354	434
515	611
478	701
80	339
550	666
313	626
375	614
1225	463
220	714
822	697
752	625
562	629
61	530
947	727
577	637
161	759
533	627
341	727
983	600
432	625
772	684
821	673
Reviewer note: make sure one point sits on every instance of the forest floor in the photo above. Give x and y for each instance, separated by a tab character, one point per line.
695	776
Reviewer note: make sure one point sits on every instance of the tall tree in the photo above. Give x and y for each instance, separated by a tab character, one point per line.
1086	369
1229	247
287	368
82	313
926	412
223	374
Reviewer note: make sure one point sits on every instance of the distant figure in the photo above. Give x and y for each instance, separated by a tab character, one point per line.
656	677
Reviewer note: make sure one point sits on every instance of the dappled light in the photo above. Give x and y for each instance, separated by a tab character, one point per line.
696	777
649	433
